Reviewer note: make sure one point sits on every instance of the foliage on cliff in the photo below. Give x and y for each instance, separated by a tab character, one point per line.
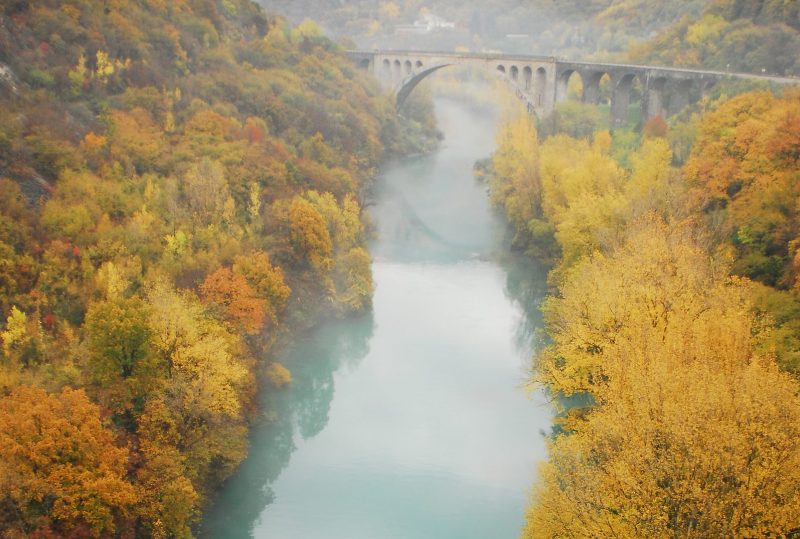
731	35
574	28
676	311
179	181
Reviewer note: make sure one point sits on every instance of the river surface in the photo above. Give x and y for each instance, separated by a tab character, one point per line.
410	422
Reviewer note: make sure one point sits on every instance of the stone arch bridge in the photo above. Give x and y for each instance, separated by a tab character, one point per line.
541	81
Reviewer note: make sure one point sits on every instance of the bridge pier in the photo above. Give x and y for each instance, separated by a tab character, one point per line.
653	97
621	100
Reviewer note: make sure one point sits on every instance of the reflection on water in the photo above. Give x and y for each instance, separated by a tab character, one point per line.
410	422
289	416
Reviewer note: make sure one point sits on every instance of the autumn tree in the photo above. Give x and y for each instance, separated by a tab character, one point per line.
239	302
61	472
266	279
309	234
208	382
206	191
136	138
516	184
685	448
744	166
582	194
353	279
690	429
121	364
117	333
167	498
658	288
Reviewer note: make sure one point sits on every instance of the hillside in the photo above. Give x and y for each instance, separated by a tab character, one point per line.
570	28
179	185
753	37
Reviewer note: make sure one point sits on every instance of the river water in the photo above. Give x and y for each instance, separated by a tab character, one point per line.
410	422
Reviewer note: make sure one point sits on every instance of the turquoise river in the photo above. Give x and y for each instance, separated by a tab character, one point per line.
413	421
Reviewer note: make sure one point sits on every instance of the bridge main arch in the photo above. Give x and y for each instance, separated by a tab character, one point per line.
408	85
528	79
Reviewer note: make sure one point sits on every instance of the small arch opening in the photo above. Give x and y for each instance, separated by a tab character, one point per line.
501	68
515	73
418	65
407	66
527	77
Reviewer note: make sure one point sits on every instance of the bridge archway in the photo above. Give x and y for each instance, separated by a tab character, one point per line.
514	73
527	78
596	87
407	66
627	90
501	68
569	83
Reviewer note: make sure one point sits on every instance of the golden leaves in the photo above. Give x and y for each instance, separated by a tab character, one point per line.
57	454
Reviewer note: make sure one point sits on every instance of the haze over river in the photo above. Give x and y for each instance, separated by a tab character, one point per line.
410	422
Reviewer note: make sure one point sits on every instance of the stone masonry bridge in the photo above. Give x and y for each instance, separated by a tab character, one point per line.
541	81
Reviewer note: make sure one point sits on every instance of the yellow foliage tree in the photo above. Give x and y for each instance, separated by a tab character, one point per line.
206	375
309	234
582	196
515	183
685	448
690	433
659	287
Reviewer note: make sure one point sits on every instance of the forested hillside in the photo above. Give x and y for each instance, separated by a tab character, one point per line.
179	184
574	28
747	36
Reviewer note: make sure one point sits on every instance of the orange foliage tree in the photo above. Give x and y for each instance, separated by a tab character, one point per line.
232	293
266	279
744	164
60	469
